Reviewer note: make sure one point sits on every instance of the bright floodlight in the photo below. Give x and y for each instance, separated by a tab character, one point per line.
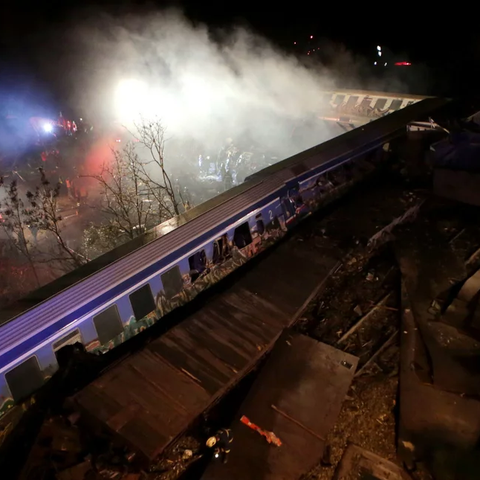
47	127
379	47
131	99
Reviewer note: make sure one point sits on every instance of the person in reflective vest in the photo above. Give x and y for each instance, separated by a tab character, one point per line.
221	443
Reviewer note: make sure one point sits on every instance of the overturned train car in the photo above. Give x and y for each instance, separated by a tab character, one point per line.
123	292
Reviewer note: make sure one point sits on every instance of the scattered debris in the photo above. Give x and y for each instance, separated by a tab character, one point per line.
270	436
359	463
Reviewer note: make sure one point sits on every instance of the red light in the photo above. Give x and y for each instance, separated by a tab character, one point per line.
402	64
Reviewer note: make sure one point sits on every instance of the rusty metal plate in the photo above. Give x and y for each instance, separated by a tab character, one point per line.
298	396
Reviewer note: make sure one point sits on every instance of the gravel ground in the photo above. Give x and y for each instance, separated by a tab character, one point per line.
367	419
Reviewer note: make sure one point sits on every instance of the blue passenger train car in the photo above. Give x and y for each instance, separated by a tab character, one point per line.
112	298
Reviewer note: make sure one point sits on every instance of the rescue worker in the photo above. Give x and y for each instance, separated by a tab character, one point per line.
221	442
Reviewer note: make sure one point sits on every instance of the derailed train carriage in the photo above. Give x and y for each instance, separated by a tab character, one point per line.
112	298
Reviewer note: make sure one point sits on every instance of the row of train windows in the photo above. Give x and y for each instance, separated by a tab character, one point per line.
379	103
28	377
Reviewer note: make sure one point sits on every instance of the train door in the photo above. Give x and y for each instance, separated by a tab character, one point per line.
288	208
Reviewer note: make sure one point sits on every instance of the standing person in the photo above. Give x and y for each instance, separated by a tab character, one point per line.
221	441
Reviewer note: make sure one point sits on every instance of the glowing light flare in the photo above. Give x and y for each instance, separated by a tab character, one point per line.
198	96
402	64
380	54
131	98
311	37
47	127
379	48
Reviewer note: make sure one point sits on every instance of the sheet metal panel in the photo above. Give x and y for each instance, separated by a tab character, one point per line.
297	396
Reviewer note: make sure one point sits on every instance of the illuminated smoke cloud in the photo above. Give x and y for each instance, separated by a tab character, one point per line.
162	66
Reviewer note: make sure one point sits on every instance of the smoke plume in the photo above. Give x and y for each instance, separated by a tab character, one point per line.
235	85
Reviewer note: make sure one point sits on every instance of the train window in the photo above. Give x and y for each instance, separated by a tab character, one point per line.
108	324
198	264
172	282
142	302
366	102
69	339
221	249
351	102
380	103
24	379
242	236
395	105
339	99
260	224
217	252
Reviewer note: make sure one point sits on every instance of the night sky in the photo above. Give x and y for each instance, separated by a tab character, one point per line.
30	34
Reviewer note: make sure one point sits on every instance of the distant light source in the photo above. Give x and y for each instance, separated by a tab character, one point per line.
48	128
294	43
374	63
402	64
379	54
132	98
311	36
379	47
385	64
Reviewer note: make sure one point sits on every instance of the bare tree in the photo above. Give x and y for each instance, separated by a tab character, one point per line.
151	135
15	225
98	239
124	197
137	193
23	219
43	215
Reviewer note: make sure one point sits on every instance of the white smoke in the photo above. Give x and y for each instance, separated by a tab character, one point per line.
163	66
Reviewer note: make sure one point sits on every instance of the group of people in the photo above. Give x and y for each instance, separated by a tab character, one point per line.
233	164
